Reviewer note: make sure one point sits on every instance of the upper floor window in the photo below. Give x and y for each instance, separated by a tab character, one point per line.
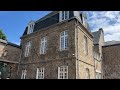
27	49
85	45
24	73
64	40
87	73
43	47
63	72
30	27
63	15
40	73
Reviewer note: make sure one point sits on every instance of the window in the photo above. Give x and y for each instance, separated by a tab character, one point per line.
87	73
40	73
63	15
63	72
43	45
85	45
30	28
24	73
27	50
84	22
5	53
98	75
64	40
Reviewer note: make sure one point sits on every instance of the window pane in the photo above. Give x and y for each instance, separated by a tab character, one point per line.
62	15
63	73
66	14
40	73
43	45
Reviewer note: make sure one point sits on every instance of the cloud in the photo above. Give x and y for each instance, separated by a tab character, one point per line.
108	20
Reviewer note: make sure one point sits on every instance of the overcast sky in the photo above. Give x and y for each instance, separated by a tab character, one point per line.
13	23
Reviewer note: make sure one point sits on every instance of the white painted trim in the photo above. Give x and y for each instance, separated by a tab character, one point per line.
60	15
27	48
62	72
98	71
64	40
24	74
44	46
58	72
40	69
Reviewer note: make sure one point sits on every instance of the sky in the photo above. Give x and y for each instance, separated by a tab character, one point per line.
13	23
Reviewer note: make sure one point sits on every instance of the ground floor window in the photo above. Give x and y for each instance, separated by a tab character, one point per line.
98	75
63	72
24	74
40	73
87	73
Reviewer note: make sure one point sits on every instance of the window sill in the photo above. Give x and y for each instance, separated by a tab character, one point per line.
64	50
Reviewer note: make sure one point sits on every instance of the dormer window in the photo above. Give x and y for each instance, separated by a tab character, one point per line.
63	15
30	27
83	18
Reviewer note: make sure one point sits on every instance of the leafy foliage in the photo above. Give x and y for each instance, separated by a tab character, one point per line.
2	35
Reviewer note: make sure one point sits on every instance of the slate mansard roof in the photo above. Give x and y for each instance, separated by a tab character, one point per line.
50	19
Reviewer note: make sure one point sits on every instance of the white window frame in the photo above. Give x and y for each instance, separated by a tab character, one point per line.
63	72
98	75
62	15
24	74
85	45
27	49
40	73
84	22
64	40
43	47
30	28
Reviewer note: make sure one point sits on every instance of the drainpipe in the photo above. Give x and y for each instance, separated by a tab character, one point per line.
77	62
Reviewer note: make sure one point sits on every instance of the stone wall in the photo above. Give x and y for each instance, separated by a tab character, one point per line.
111	62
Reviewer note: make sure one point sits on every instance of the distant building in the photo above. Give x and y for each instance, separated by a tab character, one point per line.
9	59
98	42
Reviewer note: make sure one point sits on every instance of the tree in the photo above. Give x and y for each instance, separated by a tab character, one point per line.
2	35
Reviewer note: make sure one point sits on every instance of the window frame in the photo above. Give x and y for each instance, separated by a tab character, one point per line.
30	28
40	71
63	42
27	49
63	72
63	14
24	74
43	45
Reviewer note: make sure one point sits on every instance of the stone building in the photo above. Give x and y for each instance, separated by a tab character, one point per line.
57	46
111	60
9	59
98	42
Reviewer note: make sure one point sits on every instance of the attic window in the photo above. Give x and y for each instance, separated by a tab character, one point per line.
63	15
83	18
30	27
